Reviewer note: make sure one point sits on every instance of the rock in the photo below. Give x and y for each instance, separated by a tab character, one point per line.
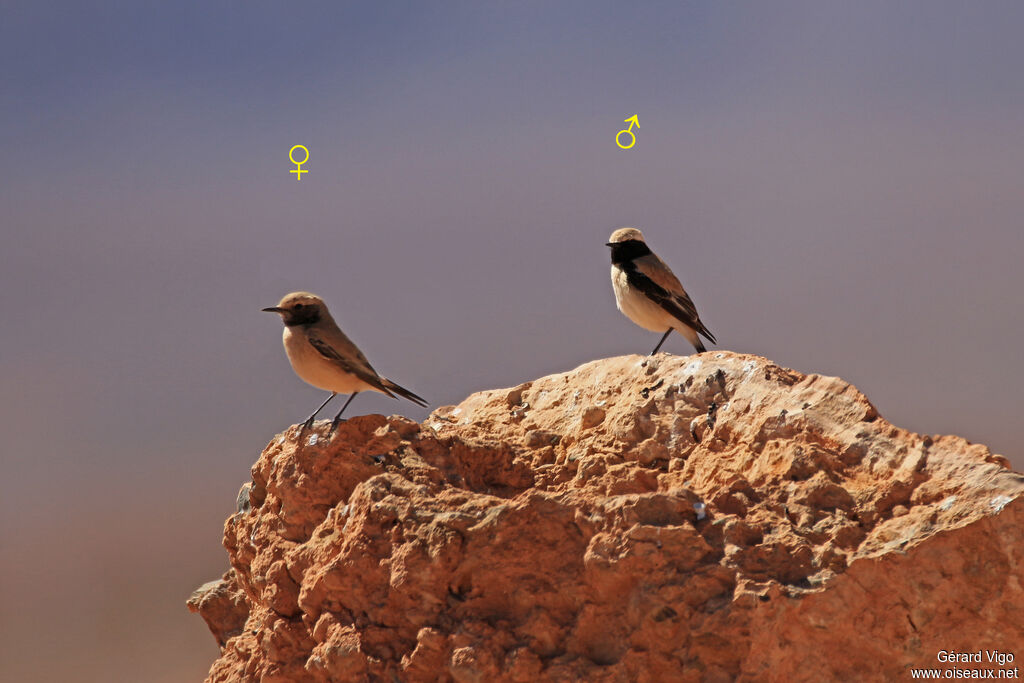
703	518
222	605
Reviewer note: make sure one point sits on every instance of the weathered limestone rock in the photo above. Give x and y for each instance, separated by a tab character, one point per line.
701	518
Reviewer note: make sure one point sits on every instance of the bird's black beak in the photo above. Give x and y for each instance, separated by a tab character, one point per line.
273	309
607	244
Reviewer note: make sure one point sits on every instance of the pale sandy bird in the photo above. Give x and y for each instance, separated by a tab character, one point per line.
323	356
649	294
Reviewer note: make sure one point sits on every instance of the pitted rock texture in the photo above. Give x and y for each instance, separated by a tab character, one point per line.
704	518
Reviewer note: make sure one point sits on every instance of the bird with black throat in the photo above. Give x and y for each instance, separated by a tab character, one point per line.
648	292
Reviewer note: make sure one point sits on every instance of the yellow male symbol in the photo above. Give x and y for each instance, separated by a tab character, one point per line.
298	164
628	131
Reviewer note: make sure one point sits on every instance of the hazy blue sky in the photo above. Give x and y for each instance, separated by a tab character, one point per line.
840	186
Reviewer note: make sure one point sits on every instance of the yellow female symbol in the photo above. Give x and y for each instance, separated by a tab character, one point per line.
298	164
628	131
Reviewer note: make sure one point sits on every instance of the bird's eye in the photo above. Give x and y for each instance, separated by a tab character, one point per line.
298	306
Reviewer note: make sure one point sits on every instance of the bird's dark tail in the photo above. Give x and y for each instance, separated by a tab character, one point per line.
699	345
702	329
404	393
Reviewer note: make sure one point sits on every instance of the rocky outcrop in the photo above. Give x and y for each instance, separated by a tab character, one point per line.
705	518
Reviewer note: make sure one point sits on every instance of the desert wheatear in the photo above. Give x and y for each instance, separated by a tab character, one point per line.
323	356
648	293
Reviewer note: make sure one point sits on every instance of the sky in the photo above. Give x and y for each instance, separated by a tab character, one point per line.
838	186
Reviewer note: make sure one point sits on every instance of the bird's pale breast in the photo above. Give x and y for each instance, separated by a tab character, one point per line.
635	305
315	369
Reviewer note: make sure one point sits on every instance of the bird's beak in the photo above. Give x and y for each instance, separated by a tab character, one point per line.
607	244
273	309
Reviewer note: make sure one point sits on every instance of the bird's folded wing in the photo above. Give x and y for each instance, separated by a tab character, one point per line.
662	287
355	365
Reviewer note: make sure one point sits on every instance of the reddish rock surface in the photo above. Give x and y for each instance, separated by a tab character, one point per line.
703	518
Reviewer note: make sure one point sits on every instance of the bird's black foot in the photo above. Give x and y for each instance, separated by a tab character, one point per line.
667	332
309	422
337	418
334	425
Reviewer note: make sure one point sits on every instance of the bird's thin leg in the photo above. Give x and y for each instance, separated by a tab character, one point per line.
337	418
309	423
667	332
